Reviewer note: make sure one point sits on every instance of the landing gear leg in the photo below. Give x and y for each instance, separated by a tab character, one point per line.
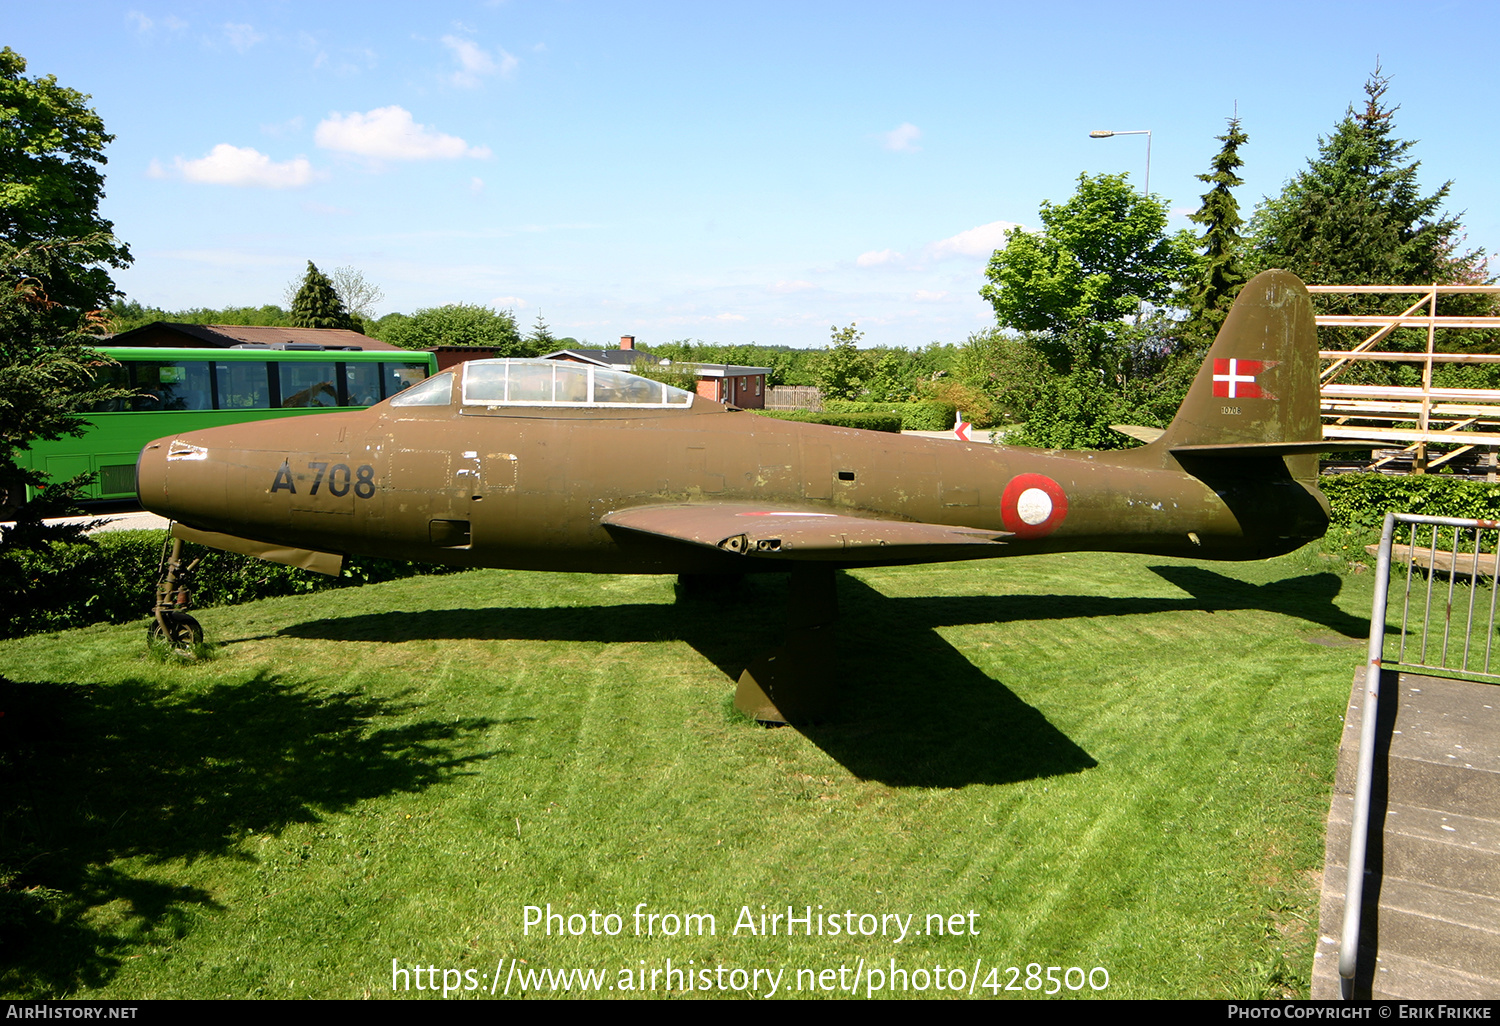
798	682
171	627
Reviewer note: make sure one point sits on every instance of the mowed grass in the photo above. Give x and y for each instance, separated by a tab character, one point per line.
1111	761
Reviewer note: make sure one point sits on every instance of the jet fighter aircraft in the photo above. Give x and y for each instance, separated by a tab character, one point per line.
545	465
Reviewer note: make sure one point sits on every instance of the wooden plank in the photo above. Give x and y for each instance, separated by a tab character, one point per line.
1414	321
1442	290
1404	411
1411	393
1339	354
1344	431
1441	560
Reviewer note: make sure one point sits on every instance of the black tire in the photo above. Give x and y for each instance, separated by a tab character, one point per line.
181	636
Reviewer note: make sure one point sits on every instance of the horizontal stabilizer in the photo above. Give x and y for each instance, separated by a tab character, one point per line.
304	559
1247	449
786	532
1140	432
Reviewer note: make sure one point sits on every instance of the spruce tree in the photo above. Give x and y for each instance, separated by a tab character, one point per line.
1222	269
541	340
1356	216
317	304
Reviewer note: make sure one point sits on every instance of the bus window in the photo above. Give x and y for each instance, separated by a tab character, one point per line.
171	386
361	384
402	375
243	386
308	383
112	375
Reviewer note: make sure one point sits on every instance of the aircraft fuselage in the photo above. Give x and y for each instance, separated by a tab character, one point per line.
526	489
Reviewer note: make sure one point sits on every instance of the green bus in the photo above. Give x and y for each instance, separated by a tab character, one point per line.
184	389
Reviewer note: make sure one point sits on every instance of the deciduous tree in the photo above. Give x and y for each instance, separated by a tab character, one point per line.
843	370
1099	256
458	324
358	294
51	151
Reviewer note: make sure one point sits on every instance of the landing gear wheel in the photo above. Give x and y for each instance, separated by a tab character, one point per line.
178	633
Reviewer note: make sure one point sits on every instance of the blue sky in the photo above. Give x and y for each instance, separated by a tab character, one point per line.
731	173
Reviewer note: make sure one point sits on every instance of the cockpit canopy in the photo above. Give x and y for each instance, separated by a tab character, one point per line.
545	383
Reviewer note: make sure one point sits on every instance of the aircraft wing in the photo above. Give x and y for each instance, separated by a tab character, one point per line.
788	533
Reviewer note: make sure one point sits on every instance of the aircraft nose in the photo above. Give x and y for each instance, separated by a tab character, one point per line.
151	472
151	475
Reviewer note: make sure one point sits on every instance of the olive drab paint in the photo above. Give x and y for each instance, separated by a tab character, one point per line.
511	464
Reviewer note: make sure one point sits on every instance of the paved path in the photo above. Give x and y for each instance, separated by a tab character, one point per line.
1431	918
137	521
975	435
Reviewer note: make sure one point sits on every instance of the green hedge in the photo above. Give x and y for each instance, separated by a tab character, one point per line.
112	579
923	415
1363	500
868	421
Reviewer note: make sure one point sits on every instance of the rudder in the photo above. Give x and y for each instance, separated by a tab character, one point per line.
1259	383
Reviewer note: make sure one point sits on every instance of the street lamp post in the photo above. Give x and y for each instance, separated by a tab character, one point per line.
1106	133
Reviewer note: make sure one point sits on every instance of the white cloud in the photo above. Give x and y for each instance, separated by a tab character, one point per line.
924	296
903	138
476	186
174	23
508	303
241	37
140	21
981	241
389	133
235	165
792	286
876	257
475	62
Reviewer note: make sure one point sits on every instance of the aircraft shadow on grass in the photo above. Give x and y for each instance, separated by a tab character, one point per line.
914	710
95	774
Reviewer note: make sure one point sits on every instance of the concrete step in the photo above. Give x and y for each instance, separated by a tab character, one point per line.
1398	977
1436	864
1454	867
1416	924
1481	833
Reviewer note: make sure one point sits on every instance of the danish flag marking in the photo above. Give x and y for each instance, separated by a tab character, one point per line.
1235	379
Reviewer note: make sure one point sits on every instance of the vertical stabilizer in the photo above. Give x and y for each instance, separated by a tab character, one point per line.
1259	384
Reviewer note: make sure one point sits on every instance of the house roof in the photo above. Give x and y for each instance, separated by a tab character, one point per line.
158	333
623	358
627	358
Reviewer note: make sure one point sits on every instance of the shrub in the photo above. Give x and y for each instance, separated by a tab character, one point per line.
921	415
978	407
111	578
867	421
1363	500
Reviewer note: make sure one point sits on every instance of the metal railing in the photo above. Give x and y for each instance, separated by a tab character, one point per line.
1467	554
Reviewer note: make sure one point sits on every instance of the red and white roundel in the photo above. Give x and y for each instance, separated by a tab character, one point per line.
1033	505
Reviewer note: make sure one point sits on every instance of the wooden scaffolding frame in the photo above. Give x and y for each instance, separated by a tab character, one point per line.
1417	417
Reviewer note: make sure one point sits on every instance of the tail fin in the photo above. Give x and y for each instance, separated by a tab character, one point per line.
1257	391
